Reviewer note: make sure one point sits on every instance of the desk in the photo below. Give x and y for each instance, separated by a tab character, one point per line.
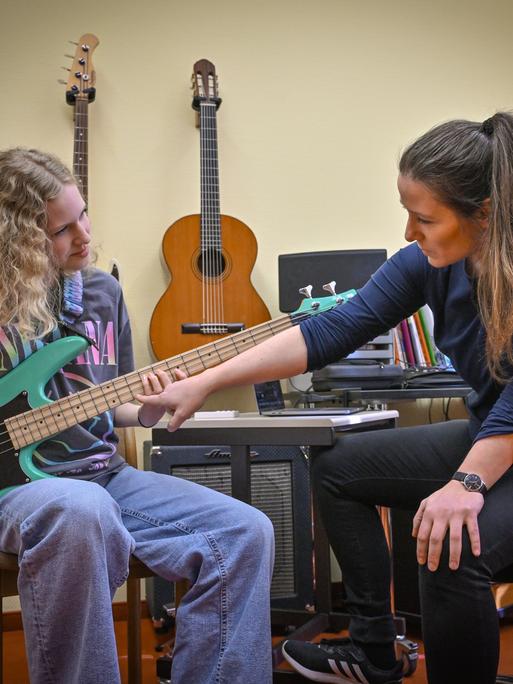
251	429
344	396
407	394
248	430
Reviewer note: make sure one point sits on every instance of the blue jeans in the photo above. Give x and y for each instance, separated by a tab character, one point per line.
398	468
74	539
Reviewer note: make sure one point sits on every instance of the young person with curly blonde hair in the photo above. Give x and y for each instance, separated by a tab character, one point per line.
74	532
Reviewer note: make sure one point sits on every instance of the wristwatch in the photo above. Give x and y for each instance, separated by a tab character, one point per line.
471	482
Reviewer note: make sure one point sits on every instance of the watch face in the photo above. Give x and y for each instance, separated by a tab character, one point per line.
473	482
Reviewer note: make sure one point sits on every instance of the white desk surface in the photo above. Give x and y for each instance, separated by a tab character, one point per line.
252	420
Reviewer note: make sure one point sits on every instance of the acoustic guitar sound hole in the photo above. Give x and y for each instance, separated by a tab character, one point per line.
211	263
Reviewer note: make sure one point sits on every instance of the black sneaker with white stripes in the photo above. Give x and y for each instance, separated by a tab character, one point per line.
337	660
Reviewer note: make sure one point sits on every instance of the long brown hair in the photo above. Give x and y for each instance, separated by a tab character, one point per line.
464	163
29	278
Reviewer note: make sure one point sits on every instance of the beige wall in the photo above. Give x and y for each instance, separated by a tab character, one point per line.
319	97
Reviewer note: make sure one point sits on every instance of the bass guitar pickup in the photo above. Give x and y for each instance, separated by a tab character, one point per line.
211	328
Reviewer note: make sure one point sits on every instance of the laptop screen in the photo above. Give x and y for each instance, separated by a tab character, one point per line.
269	396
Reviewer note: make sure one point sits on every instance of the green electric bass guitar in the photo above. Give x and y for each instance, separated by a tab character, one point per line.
28	417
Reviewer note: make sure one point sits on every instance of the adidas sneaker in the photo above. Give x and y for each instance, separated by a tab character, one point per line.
337	660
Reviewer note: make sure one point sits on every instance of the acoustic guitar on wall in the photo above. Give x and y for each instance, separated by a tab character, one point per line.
210	256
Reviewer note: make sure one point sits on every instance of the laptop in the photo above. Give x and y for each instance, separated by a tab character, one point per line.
270	402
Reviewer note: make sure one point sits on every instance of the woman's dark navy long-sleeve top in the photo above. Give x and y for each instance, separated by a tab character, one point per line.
399	288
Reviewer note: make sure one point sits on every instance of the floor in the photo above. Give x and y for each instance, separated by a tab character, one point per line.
15	664
15	669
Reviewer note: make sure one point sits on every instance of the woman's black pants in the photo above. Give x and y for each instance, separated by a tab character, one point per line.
398	468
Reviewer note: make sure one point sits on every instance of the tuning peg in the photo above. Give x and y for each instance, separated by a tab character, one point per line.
70	56
73	42
59	80
306	291
330	287
65	68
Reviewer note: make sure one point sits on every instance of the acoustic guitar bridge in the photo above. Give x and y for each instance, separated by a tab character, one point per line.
211	328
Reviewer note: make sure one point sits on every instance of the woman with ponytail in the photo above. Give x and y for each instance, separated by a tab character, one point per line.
456	185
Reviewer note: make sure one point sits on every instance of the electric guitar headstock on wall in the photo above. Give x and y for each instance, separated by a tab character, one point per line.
80	91
82	76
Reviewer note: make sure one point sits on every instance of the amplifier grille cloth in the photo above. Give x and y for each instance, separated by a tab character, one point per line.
271	492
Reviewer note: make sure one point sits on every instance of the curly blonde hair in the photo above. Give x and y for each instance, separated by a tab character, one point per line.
29	276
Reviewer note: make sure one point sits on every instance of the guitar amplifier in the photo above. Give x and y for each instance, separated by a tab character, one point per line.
280	487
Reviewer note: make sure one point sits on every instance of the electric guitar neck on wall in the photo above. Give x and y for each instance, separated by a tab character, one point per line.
210	256
80	91
28	417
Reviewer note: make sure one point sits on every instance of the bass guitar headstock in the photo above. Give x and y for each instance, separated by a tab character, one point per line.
82	76
315	305
204	84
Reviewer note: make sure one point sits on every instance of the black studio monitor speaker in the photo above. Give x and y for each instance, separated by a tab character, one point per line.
279	487
350	268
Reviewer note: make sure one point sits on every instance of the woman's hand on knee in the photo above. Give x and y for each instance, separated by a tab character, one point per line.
447	511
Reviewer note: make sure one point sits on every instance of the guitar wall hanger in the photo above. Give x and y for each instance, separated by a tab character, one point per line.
71	95
196	101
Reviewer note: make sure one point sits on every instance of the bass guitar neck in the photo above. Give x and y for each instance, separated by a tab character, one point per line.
80	91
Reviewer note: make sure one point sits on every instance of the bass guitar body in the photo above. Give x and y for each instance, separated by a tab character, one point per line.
28	417
215	279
